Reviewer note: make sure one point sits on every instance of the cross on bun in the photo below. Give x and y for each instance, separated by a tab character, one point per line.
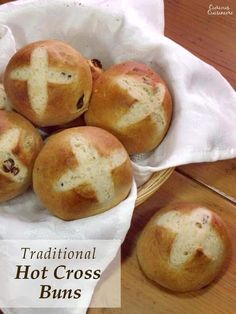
81	172
4	101
132	102
20	143
48	82
183	247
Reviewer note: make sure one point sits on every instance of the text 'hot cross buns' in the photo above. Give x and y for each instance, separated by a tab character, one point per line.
48	82
20	143
81	172
183	247
132	102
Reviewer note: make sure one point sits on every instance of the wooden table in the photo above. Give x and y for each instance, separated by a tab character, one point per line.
213	39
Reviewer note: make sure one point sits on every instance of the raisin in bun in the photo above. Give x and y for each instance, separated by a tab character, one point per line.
20	143
183	247
48	82
90	174
4	101
132	102
96	68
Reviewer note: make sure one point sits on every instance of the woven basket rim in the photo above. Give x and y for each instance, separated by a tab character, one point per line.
152	185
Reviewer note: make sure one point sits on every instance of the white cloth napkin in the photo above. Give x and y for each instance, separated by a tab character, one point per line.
24	218
203	124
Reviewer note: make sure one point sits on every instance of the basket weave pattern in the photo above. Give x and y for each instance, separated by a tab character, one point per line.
152	185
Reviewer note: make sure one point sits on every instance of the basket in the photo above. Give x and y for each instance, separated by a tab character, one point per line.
152	185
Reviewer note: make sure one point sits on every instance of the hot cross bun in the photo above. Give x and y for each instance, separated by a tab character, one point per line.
48	82
132	102
20	143
81	172
183	247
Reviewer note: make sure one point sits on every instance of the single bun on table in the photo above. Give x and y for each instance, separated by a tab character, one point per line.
48	82
183	247
81	172
20	144
132	102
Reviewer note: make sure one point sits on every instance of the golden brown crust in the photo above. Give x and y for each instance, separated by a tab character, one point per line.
109	102
156	243
26	150
63	99
81	200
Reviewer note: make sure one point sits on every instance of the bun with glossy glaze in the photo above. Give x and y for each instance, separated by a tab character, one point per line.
20	144
183	247
132	102
81	172
48	82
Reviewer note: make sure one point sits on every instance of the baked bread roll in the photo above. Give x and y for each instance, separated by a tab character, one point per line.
81	172
48	82
132	102
4	101
20	143
183	247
